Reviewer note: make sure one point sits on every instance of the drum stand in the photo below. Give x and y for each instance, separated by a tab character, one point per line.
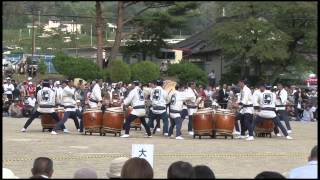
223	134
105	130
262	132
92	130
201	133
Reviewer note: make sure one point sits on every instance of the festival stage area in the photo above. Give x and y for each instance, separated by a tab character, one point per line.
228	158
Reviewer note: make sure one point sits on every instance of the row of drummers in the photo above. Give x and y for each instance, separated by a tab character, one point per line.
172	97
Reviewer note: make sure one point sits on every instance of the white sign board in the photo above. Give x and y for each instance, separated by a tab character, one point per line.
144	151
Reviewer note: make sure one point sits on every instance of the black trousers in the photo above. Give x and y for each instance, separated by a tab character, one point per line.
131	118
236	124
36	114
246	122
66	115
283	115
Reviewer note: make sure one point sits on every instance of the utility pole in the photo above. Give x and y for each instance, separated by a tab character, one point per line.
76	38
20	34
33	36
39	18
91	36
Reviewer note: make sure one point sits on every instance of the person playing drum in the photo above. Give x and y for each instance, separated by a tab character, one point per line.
192	105
267	102
95	96
176	107
136	99
46	100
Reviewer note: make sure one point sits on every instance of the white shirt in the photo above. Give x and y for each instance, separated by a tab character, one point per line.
255	97
46	99
68	98
177	99
31	101
191	94
282	100
159	98
59	91
267	99
8	88
136	98
246	99
309	171
95	95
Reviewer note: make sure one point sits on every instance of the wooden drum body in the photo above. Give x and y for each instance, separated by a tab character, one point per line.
224	122
47	122
135	123
92	121
203	124
112	121
264	128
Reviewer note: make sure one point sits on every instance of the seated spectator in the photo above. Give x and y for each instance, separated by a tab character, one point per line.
42	166
180	170
116	167
308	171
307	114
137	168
85	173
269	175
203	172
15	109
8	174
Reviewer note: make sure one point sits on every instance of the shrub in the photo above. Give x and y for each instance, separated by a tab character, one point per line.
187	72
145	71
42	67
77	67
119	71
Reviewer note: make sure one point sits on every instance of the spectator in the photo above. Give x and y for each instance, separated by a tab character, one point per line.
212	78
8	174
180	170
116	167
85	173
137	168
8	89
31	89
15	109
307	114
269	175
203	172
42	166
308	171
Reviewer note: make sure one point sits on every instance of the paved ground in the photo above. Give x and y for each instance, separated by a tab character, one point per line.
228	158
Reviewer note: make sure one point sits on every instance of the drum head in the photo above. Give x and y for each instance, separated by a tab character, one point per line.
224	110
92	110
115	109
204	111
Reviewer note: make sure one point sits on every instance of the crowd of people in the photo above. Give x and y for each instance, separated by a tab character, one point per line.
139	168
151	102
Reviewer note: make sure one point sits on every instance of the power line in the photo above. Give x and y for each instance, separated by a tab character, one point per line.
56	15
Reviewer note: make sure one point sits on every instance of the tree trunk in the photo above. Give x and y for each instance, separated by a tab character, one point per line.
100	33
117	41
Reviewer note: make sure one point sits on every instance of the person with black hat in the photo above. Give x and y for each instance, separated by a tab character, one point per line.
267	102
46	100
69	104
159	98
136	99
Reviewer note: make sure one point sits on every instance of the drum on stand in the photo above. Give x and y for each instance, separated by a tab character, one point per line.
92	121
203	123
47	122
264	128
112	121
224	123
135	123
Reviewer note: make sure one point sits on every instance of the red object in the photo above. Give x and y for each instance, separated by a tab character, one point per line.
31	89
312	81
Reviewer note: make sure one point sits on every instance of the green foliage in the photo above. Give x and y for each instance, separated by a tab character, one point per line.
42	67
145	71
119	71
187	72
77	67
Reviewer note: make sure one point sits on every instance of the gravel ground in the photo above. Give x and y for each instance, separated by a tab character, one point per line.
228	158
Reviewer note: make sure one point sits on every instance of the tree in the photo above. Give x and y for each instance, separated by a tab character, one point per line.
145	71
158	25
100	33
122	21
120	71
256	33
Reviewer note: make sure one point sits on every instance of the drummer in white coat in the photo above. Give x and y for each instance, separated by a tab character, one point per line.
95	98
191	93
176	106
267	102
136	99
